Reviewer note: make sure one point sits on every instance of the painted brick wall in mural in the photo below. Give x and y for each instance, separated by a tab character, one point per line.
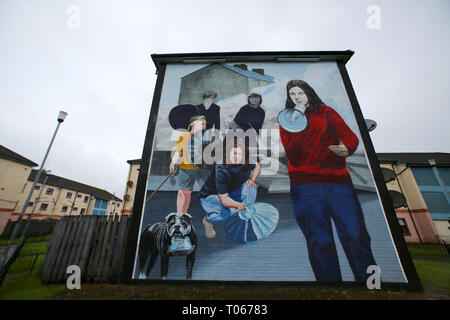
262	176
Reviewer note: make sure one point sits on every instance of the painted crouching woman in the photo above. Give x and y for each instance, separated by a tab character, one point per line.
321	186
229	187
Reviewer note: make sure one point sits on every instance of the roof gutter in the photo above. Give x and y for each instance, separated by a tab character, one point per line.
275	56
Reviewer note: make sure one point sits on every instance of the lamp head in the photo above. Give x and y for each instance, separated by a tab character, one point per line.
370	124
61	116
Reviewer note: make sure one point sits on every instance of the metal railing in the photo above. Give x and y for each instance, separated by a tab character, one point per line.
429	250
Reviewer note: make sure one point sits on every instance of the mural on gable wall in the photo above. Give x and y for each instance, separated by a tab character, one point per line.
260	175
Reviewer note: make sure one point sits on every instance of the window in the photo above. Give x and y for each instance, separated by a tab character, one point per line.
43	206
64	209
86	199
69	195
83	211
404	227
75	209
436	202
432	190
445	175
100	207
78	195
425	176
49	191
37	187
30	203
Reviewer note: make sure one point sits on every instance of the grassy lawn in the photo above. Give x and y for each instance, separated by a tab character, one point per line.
434	274
19	285
28	287
31	253
432	250
4	242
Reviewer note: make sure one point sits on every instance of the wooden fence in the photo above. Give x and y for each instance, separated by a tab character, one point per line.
94	243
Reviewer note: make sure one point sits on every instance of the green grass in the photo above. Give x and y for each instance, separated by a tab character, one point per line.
434	273
427	250
28	287
31	253
24	264
4	242
19	285
34	247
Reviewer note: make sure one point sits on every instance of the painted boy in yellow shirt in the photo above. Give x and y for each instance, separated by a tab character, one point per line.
188	174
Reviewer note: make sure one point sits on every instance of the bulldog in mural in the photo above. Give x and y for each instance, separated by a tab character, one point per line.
173	237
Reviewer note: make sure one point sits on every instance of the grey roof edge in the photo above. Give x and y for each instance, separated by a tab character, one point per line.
249	73
134	161
8	154
414	158
259	56
61	182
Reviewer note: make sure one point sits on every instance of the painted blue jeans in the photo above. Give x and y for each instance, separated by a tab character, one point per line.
315	205
216	212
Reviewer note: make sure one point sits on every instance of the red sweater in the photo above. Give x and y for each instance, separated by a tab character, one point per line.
309	158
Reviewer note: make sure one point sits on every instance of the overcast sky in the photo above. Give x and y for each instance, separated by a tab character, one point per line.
100	71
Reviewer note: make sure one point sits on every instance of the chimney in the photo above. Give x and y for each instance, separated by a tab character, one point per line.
260	71
241	66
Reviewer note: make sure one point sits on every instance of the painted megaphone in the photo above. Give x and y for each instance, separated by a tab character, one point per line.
292	120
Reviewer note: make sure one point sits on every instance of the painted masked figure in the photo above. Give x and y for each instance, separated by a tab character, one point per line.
251	116
210	110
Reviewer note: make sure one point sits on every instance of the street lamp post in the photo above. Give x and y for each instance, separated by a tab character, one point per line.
35	204
61	117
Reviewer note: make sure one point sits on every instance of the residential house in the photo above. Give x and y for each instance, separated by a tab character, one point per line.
225	79
61	196
14	172
419	187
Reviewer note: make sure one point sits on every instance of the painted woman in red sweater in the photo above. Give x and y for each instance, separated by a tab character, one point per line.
321	186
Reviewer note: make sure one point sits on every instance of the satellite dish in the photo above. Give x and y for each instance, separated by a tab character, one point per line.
370	124
388	174
398	199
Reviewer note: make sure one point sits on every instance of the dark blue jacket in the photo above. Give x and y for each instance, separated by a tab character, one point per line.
249	117
212	115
